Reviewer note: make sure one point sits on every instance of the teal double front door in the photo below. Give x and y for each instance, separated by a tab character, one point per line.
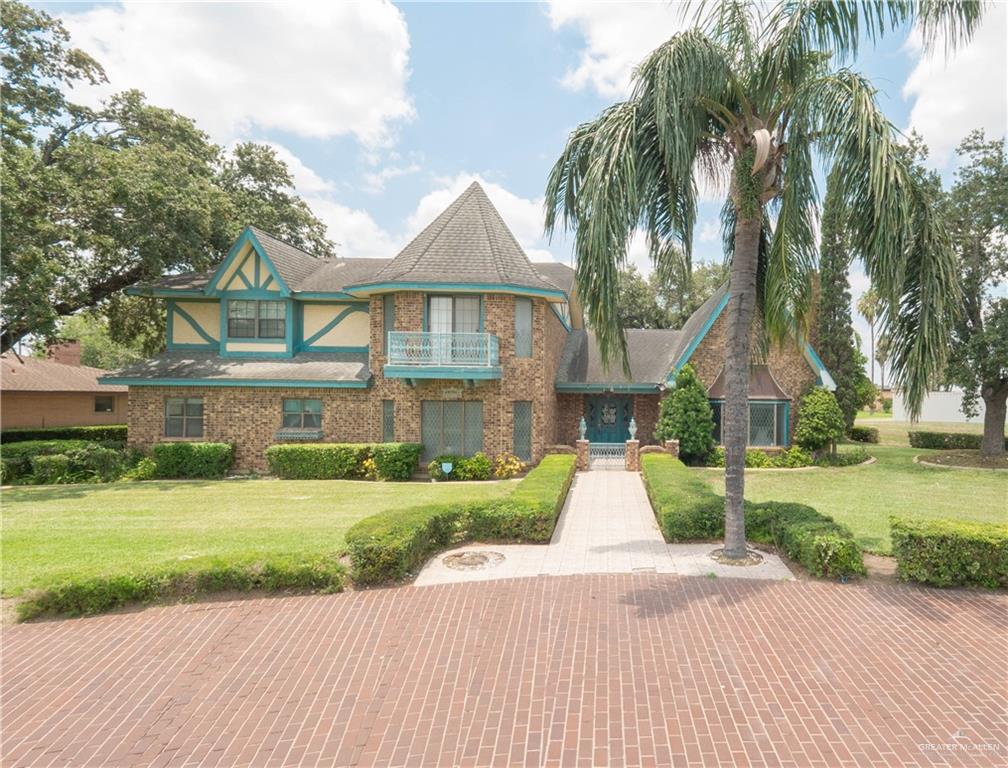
608	418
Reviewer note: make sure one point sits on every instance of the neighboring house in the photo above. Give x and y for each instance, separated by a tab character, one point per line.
459	342
57	391
939	405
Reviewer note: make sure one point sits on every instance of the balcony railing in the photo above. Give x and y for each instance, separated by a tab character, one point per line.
468	350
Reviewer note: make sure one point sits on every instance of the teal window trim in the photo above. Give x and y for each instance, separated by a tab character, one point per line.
785	439
287	339
388	319
452	296
258	319
307	410
269	383
347	311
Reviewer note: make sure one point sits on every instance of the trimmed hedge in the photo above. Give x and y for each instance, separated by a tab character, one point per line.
95	434
863	434
64	461
475	467
946	440
948	553
194	577
390	545
194	460
341	461
688	509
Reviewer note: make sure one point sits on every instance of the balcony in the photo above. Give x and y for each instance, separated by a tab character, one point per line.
418	355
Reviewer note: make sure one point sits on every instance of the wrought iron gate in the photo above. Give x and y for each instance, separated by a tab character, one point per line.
607	456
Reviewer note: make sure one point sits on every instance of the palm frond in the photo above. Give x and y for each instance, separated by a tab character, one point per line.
895	230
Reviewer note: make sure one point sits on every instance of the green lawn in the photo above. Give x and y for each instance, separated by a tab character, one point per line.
863	497
54	532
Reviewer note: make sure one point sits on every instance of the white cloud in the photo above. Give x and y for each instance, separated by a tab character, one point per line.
710	232
313	69
375	182
306	181
966	91
617	36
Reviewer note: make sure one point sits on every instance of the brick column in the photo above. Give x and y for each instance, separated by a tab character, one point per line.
672	446
633	455
582	455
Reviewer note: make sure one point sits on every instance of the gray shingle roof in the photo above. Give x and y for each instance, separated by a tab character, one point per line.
559	274
468	243
293	263
650	351
207	366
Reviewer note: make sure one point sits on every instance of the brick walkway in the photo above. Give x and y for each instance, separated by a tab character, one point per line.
606	526
643	669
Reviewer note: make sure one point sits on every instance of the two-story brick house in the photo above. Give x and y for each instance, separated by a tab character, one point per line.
460	342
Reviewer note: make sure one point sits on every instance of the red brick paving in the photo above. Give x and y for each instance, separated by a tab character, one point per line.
620	670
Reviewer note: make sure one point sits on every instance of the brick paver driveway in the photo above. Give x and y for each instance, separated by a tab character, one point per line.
620	669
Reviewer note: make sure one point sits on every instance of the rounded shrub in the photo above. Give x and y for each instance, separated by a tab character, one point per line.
507	465
820	420
686	416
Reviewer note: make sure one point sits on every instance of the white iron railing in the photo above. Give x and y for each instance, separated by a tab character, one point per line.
606	455
460	349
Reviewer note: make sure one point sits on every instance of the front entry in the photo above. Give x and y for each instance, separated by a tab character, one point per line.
608	418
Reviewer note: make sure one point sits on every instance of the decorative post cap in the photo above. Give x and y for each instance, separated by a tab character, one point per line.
583	428
633	428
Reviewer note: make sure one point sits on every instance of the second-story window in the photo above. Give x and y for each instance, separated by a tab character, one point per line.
454	314
257	319
523	328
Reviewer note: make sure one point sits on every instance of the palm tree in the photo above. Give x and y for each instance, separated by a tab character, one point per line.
869	306
754	97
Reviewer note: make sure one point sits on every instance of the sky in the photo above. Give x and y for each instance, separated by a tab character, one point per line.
386	112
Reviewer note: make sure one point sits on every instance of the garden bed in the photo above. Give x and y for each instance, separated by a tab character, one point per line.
962	460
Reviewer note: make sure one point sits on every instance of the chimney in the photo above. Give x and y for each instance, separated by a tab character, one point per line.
66	352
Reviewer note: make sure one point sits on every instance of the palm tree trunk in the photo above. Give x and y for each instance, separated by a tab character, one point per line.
741	308
872	326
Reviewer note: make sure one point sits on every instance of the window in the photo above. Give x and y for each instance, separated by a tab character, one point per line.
104	404
768	423
257	319
388	421
388	315
523	328
272	320
451	427
184	417
454	314
301	413
522	432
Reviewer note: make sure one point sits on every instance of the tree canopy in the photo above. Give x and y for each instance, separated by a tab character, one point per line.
98	199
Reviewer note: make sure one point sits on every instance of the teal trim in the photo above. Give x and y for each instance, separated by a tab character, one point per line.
823	376
258	264
560	317
326	295
258	295
170	325
239	272
685	356
568	386
277	383
458	287
425	322
361	349
176	310
787	423
246	237
359	307
166	293
481	311
269	281
441	372
204	347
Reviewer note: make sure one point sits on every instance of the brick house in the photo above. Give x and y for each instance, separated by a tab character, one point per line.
57	391
459	343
